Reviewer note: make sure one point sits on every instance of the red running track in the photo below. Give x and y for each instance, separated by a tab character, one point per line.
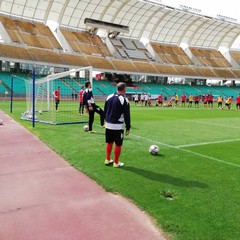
44	198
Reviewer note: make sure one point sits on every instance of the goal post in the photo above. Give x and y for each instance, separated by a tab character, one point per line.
70	83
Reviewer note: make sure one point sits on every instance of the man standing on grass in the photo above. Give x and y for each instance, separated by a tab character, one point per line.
159	100
176	98
81	106
238	102
88	101
183	100
190	100
57	98
228	103
210	101
219	102
135	98
196	101
117	112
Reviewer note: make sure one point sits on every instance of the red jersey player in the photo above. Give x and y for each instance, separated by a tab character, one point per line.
81	106
159	101
183	99
238	102
57	97
210	101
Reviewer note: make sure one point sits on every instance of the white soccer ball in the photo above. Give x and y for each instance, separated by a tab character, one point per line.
1	122
30	116
86	128
153	149
40	111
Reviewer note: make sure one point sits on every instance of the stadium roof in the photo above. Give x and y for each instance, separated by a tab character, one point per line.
155	22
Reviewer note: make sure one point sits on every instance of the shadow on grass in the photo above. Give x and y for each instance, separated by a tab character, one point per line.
165	178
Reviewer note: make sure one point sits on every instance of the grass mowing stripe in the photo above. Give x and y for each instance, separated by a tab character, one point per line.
206	143
188	151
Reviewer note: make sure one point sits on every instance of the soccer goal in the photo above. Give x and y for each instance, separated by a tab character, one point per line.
41	101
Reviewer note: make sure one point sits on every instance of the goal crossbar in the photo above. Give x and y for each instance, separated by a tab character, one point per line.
62	74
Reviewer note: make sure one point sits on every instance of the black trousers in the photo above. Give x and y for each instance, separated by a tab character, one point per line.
98	110
56	104
81	108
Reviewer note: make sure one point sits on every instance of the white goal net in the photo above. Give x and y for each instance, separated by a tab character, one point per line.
42	95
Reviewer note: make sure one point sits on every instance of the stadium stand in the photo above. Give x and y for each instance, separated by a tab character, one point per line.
43	55
165	69
2	88
123	65
32	34
185	70
236	73
206	72
34	42
18	83
187	89
16	52
145	67
85	43
171	54
210	57
100	63
227	91
206	90
103	87
224	73
235	55
75	60
170	89
129	49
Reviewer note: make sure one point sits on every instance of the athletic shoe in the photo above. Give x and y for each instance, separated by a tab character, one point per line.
119	164
107	162
92	131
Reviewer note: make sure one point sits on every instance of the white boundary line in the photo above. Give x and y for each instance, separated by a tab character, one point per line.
188	151
207	143
215	124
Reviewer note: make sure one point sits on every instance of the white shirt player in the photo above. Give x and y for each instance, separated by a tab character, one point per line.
135	97
146	97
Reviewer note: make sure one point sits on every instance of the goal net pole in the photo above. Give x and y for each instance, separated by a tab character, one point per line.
33	96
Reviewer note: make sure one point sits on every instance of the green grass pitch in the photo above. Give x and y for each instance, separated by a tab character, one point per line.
191	188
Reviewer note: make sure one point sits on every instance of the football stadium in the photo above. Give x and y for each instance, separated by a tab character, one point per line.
179	173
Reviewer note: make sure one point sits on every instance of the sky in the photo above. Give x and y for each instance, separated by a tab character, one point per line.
228	8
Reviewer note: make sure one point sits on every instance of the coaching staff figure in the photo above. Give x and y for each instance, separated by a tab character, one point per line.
117	112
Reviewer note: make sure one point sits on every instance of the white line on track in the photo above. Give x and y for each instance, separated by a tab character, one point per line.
185	150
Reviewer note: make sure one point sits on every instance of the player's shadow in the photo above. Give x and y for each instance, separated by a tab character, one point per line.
165	178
